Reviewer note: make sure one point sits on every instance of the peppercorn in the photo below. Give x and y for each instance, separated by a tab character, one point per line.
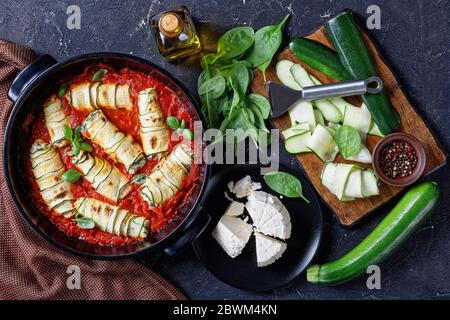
398	159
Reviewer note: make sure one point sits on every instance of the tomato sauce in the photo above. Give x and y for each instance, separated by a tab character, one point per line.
127	122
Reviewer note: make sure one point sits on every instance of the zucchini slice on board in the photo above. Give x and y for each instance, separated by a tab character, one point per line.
322	144
48	168
55	119
358	118
297	143
112	219
329	111
370	183
295	130
362	156
303	111
154	132
283	69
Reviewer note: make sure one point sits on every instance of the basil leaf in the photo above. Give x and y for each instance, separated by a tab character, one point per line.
267	42
99	75
348	140
183	124
285	184
213	87
63	89
188	134
76	133
173	122
261	103
85	223
85	146
71	176
235	42
68	133
76	147
140	178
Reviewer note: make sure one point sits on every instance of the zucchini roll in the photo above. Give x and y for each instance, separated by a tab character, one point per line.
47	169
112	219
167	176
120	147
88	96
55	119
104	177
154	131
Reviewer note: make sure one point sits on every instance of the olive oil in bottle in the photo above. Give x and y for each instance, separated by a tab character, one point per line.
175	34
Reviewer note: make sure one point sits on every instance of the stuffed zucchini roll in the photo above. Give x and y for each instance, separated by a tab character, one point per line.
55	119
120	147
112	219
47	169
104	177
88	96
154	132
167	176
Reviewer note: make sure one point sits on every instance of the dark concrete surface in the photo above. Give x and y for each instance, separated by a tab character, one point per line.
414	38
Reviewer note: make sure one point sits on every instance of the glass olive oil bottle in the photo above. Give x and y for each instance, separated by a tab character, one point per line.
175	34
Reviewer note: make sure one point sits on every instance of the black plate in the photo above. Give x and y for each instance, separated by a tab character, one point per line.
242	272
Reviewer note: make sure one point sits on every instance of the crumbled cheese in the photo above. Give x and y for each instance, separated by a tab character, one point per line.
235	209
232	234
244	187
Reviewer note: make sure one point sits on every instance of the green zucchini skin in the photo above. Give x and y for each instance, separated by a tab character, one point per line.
356	59
407	216
319	57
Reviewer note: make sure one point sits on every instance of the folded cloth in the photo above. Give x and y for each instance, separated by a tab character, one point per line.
31	268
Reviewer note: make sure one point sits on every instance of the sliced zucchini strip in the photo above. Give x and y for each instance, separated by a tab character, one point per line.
112	219
88	96
104	177
322	144
120	147
154	132
167	176
47	169
55	119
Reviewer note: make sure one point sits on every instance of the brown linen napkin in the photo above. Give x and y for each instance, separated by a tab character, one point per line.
31	268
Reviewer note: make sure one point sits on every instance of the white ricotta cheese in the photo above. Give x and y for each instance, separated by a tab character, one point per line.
232	234
269	215
268	249
235	209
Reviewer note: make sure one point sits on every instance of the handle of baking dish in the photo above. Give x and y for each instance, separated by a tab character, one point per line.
193	231
27	75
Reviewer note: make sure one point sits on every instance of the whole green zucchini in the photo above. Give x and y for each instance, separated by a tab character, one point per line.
355	57
319	57
408	215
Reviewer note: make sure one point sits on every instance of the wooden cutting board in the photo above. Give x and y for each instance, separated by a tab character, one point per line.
350	212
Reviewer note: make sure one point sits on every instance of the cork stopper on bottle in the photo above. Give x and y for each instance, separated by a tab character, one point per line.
170	24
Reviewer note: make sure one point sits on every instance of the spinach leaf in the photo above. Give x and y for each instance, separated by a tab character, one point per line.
261	103
213	87
267	42
71	176
234	43
348	140
285	184
239	82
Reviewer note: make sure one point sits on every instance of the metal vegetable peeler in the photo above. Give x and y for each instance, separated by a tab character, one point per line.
282	97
